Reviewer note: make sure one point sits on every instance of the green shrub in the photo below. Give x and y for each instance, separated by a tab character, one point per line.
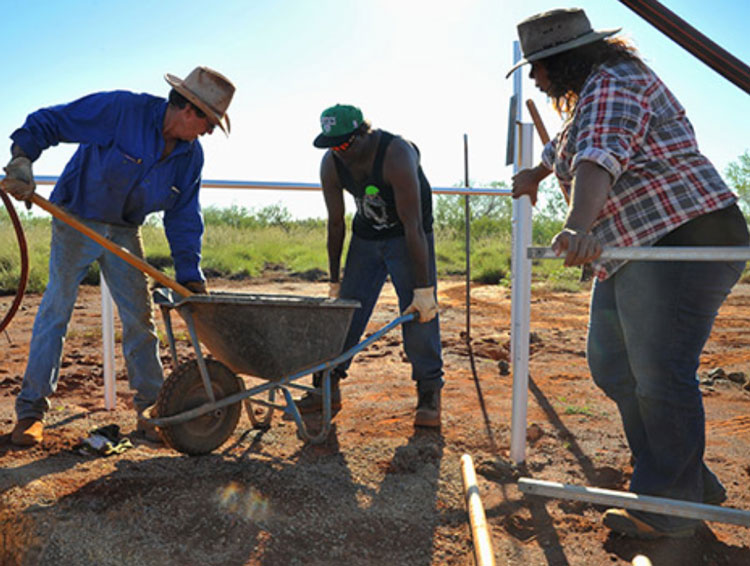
242	242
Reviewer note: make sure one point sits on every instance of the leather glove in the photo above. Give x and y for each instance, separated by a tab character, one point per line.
334	290
19	179
424	303
198	287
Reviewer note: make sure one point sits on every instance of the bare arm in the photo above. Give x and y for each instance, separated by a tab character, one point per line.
591	187
333	193
400	170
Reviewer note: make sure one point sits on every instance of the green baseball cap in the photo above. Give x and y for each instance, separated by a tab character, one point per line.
338	122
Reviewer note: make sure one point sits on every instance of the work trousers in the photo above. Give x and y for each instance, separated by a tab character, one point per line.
648	325
71	254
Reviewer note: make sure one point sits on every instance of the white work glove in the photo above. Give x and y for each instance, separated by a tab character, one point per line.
334	290
424	304
19	180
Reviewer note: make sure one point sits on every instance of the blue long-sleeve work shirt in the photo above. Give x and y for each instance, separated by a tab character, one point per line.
116	174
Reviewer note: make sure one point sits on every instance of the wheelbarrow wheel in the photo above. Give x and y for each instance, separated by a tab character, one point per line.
184	390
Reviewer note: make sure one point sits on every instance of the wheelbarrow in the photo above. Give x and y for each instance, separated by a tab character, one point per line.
277	338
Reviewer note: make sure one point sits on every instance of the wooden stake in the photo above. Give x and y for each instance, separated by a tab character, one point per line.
483	554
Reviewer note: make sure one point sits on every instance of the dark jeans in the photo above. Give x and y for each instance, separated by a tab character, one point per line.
368	264
648	325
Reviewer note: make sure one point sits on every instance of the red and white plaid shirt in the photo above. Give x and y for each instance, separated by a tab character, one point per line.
629	123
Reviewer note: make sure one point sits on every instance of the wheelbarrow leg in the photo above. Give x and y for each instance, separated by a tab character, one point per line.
166	315
302	431
205	376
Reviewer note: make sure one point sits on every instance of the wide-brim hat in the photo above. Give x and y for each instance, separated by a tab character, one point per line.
553	32
338	123
209	90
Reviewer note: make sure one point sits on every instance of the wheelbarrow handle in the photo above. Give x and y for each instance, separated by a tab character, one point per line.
119	251
354	350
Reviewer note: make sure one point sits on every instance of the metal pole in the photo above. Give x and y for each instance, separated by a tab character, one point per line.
611	498
467	234
520	288
108	342
660	253
272	186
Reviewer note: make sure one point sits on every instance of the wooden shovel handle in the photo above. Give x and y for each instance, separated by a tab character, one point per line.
119	251
542	131
537	119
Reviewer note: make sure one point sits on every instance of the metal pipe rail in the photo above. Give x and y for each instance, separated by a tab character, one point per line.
659	253
271	186
648	503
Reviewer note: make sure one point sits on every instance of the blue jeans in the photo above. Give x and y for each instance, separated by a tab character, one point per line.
648	325
368	263
71	253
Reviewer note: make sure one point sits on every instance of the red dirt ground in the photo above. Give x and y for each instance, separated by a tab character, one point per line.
377	491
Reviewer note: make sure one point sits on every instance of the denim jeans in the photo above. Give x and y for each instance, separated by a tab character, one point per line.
71	253
648	325
368	263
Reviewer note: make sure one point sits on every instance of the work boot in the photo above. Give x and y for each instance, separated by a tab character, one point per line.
145	429
621	521
28	432
428	409
312	401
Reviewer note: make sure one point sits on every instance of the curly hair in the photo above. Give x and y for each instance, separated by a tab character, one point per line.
567	71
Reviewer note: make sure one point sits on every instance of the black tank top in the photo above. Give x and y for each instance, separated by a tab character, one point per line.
376	216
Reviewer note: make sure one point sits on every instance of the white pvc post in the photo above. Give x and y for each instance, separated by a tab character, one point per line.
108	341
521	280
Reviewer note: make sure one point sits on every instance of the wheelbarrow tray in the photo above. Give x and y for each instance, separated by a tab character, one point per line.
265	335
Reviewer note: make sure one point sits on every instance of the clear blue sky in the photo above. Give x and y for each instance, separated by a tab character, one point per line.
431	70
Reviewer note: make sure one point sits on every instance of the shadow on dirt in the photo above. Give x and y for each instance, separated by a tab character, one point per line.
702	549
54	462
244	505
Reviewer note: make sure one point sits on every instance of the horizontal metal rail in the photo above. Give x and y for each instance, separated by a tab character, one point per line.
271	186
659	253
612	498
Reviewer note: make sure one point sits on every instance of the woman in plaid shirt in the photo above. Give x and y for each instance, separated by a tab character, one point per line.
628	158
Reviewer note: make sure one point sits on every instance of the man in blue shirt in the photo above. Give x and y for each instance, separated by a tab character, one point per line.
137	154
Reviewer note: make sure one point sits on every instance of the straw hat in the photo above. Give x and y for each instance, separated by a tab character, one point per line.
553	32
208	90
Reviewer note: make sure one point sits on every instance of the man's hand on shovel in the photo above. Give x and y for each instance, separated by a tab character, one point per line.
19	179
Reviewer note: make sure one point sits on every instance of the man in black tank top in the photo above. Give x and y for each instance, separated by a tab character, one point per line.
391	236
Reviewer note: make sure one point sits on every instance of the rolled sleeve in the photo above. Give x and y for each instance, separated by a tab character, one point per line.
613	120
602	158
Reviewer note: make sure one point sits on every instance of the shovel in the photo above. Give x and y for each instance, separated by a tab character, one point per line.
119	251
